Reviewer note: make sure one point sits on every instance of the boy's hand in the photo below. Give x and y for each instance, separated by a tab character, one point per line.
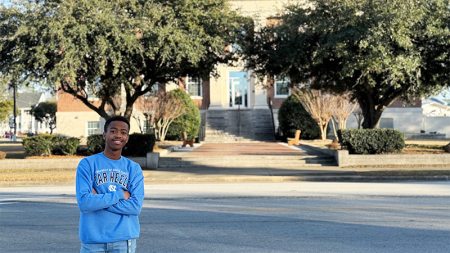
94	191
126	194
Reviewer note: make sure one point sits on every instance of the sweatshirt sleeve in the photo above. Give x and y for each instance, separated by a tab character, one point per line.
87	201
133	205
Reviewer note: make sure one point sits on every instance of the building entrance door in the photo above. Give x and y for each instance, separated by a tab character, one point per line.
238	89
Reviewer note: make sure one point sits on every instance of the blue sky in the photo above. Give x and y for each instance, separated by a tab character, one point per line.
5	1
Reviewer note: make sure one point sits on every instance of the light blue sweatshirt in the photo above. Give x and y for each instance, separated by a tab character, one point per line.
107	216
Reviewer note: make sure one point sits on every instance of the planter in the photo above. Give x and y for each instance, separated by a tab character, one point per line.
152	160
345	159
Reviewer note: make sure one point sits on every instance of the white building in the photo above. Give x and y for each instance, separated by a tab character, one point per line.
25	122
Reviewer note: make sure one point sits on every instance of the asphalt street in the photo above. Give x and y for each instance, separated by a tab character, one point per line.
247	217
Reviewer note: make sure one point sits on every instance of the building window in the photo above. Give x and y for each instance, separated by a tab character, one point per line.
194	86
93	127
281	87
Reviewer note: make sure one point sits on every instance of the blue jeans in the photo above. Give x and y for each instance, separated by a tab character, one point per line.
128	246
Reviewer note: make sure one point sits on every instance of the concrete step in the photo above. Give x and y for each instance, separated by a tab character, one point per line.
253	166
265	158
287	162
231	140
244	164
225	126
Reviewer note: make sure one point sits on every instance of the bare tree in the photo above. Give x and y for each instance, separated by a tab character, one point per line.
342	109
359	116
146	105
319	105
140	120
160	111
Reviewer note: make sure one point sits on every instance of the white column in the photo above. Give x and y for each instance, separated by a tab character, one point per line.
260	95
218	88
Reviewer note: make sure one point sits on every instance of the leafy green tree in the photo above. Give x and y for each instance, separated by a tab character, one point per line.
378	50
292	116
45	112
6	109
114	50
189	121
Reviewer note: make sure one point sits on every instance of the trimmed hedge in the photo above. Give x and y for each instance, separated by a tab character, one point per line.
138	144
45	145
292	116
189	121
65	145
39	145
371	141
95	143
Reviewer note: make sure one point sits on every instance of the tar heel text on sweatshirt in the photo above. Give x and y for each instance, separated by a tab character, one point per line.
117	176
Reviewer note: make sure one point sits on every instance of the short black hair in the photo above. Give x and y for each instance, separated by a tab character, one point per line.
116	118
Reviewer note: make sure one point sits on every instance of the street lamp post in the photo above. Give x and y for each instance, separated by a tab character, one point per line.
14	113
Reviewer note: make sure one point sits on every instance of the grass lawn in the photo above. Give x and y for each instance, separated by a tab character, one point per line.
27	177
32	176
35	177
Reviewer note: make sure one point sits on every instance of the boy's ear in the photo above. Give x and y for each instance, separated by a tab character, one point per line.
104	136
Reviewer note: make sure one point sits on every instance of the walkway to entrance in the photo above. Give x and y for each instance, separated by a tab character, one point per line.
251	158
240	149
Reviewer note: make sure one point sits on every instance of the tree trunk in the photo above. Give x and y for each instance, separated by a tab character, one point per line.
371	113
371	110
373	102
130	99
323	130
372	119
333	123
322	134
128	111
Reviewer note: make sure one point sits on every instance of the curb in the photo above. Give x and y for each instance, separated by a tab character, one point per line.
350	177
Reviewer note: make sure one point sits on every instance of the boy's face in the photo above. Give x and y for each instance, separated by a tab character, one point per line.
116	135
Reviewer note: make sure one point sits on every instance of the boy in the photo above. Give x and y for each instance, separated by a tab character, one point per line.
110	192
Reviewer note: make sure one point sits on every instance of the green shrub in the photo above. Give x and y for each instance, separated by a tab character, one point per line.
63	145
292	116
138	144
45	145
2	155
371	141
95	143
188	122
38	145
